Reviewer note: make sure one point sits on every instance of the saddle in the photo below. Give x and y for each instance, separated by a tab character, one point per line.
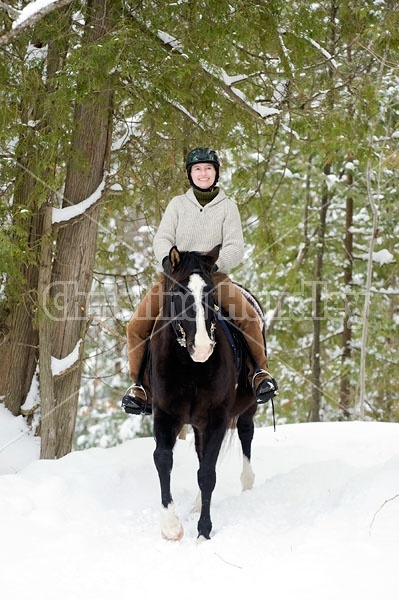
241	350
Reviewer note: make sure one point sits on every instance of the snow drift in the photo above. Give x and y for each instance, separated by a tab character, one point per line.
322	520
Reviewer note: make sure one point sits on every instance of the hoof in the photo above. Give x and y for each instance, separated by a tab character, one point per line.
171	528
174	535
201	539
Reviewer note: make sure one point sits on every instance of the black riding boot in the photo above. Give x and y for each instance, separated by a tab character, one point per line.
134	402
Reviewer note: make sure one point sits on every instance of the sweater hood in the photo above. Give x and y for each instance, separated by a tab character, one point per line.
191	197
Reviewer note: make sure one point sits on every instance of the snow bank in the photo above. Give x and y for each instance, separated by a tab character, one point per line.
316	525
18	447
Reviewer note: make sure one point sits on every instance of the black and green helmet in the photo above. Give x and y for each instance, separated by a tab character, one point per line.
202	155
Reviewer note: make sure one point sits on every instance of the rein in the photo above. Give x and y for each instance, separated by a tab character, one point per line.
177	326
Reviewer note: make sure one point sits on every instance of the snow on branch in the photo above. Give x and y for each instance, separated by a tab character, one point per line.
256	109
70	212
169	40
382	257
323	51
286	53
60	365
29	15
184	111
225	81
32	401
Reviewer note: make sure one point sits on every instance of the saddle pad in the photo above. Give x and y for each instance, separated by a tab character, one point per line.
253	302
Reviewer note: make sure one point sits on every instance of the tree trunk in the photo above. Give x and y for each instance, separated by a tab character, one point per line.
345	390
20	349
317	299
22	337
367	294
46	382
73	266
318	313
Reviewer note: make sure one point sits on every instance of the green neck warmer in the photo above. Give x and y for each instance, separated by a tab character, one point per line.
205	197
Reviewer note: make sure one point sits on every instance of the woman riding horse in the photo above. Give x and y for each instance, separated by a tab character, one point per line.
199	220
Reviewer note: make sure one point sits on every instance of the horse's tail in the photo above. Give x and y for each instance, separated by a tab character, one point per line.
233	423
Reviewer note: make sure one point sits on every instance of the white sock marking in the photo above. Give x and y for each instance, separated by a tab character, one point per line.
171	527
247	475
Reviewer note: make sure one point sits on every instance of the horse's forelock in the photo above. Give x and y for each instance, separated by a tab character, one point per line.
190	262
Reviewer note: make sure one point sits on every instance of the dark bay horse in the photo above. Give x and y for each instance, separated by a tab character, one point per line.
195	382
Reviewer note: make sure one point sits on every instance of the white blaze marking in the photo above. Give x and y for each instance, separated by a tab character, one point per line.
202	342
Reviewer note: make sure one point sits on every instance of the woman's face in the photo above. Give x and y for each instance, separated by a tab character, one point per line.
203	175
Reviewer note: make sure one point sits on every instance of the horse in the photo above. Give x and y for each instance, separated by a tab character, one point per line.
194	381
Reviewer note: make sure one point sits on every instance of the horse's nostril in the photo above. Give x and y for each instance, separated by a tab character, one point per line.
201	353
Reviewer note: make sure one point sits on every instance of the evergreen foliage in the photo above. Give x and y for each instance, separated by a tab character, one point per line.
301	101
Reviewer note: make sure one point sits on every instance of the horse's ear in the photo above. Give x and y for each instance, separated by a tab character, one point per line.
174	257
212	256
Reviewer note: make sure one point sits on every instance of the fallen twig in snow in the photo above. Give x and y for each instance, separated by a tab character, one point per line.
380	509
227	562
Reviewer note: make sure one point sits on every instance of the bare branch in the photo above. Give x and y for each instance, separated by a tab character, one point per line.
107	328
13	12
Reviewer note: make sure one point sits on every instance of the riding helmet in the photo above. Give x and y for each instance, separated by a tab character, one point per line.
202	155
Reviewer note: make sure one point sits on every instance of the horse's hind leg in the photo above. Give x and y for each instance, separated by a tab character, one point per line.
245	429
165	433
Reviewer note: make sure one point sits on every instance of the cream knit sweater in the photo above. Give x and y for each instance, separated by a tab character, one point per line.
191	227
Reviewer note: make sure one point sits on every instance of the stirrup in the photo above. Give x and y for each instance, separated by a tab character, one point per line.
136	406
258	372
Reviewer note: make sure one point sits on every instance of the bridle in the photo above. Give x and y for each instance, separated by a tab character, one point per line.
178	328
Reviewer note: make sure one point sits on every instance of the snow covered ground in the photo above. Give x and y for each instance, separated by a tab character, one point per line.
321	522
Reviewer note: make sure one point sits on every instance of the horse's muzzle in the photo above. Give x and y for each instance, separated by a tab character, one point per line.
201	353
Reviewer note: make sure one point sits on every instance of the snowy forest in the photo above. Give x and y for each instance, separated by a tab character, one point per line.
100	102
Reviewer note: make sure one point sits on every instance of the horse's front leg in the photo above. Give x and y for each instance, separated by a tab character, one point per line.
212	442
166	429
